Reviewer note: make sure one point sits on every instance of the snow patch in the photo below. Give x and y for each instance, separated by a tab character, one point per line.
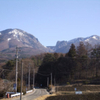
16	32
18	40
94	37
15	35
87	40
0	34
27	46
9	39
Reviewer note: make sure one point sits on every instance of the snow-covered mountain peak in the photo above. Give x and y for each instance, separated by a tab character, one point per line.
16	37
65	46
16	32
95	37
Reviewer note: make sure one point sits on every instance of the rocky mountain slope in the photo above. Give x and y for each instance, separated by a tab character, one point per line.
64	46
28	44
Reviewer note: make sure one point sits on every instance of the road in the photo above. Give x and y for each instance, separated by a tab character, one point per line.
32	96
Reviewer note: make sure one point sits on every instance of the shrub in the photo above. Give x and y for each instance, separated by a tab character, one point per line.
68	83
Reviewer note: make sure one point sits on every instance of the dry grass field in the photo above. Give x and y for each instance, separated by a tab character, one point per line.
79	87
75	97
89	92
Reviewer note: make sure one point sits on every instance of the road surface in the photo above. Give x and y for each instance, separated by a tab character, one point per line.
33	95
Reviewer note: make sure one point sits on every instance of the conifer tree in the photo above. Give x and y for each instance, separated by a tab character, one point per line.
81	50
72	51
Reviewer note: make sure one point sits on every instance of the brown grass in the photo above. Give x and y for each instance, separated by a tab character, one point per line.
80	87
75	97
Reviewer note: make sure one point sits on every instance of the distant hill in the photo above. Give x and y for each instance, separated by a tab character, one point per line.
27	43
64	46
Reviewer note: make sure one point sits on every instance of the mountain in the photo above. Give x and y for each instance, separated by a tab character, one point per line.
64	46
28	44
59	45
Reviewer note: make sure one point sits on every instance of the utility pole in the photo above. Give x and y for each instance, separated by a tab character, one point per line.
33	77
47	81
29	78
51	80
21	80
16	67
54	81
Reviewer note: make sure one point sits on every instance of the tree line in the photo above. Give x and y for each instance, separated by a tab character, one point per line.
79	63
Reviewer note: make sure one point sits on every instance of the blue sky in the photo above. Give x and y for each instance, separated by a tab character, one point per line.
52	20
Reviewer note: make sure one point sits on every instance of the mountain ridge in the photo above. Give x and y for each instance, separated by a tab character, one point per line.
65	46
29	44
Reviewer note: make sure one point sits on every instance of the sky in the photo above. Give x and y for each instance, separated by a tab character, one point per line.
52	20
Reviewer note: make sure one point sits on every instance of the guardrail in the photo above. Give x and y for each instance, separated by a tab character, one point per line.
29	91
14	95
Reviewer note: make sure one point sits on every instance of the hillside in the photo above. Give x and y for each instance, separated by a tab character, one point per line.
27	43
64	46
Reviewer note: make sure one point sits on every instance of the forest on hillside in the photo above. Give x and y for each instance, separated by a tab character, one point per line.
80	64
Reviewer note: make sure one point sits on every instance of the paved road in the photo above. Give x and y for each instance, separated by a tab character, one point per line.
32	96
